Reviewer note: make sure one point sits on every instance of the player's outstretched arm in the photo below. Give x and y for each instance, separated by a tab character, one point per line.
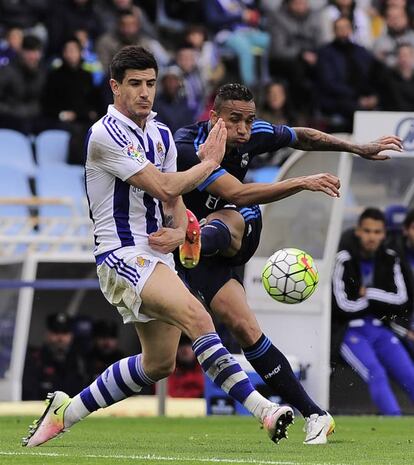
312	139
231	189
166	186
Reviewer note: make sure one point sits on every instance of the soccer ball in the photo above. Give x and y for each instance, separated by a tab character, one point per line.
290	276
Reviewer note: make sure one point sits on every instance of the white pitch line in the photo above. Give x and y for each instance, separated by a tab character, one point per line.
169	459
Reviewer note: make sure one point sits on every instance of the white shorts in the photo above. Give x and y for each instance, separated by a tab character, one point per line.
123	274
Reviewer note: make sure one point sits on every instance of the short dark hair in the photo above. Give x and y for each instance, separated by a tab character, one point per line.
232	92
409	219
131	57
31	43
373	214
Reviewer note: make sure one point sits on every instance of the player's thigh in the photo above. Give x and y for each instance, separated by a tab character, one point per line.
159	342
230	305
165	298
358	351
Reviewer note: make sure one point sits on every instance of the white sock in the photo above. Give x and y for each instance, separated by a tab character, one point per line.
257	405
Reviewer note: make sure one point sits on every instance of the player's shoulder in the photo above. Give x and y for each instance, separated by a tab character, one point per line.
108	131
189	134
262	126
161	126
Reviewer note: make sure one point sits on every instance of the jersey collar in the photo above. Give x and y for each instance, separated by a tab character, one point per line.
121	117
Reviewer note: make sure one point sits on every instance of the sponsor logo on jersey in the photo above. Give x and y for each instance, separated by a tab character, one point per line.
136	153
143	262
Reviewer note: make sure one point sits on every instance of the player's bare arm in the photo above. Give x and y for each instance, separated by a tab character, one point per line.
230	188
172	235
312	139
166	186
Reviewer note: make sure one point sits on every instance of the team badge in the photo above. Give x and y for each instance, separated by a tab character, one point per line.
135	153
244	160
159	147
143	262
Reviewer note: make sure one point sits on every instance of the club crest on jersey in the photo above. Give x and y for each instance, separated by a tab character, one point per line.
143	262
135	153
244	160
159	147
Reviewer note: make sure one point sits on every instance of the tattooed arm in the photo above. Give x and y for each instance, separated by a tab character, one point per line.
172	234
312	139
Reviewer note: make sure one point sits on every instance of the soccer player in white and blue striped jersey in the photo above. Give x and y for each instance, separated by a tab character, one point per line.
139	219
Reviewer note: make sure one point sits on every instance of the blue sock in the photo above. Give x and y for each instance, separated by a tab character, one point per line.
276	371
215	237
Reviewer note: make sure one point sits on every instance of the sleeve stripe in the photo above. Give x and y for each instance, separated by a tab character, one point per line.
211	179
113	136
292	133
260	130
339	287
395	298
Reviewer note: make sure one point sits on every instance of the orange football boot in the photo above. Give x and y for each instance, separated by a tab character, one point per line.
190	250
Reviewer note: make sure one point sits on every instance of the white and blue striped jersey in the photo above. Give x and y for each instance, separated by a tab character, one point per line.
116	149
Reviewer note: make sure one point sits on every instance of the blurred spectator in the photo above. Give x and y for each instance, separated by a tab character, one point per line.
56	366
90	59
63	20
105	350
109	10
398	32
372	303
277	108
70	99
345	76
170	103
236	28
21	88
360	20
27	15
295	36
398	88
188	378
208	59
194	85
128	32
11	45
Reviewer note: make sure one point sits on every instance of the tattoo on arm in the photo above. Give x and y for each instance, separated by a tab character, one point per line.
312	139
169	221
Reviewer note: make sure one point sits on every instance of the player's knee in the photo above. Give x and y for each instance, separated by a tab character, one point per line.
161	368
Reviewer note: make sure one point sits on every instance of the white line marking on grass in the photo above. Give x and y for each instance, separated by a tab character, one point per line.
170	459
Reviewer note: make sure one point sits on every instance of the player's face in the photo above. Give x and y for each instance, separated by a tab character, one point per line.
238	116
409	234
371	234
134	96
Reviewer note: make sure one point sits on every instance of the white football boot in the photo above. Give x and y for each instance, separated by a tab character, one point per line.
276	421
50	424
318	428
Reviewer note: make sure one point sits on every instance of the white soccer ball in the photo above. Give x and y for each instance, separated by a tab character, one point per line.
290	276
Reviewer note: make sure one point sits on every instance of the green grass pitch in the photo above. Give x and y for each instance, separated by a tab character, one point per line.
212	440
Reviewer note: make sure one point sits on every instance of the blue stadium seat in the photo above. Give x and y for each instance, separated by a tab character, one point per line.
14	184
394	217
61	181
52	146
16	151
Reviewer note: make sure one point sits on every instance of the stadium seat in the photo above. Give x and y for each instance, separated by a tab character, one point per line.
62	182
13	184
394	217
52	146
16	151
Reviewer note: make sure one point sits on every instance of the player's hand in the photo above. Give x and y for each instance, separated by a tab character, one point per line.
166	240
214	147
323	182
410	335
372	150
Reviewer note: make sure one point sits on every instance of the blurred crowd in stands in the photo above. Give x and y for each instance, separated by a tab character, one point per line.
309	62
